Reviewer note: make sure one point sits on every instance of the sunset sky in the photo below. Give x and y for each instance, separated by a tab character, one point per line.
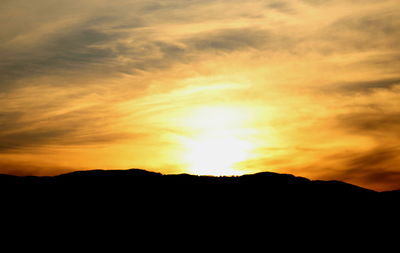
214	87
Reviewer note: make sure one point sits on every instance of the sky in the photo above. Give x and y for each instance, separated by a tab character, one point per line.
221	87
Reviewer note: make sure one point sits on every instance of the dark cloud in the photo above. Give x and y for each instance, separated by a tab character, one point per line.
326	2
93	47
32	138
227	40
64	52
379	124
373	159
155	55
375	165
376	168
8	120
98	44
388	63
381	25
368	86
370	32
280	6
107	44
80	127
152	6
83	50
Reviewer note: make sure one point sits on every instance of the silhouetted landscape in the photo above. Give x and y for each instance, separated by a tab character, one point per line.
138	188
310	87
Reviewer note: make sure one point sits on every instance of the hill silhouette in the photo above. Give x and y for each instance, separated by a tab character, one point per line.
142	185
145	200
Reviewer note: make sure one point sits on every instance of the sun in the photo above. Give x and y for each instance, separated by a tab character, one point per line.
219	141
216	155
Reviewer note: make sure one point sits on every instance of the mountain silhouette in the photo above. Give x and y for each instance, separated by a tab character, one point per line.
147	200
145	185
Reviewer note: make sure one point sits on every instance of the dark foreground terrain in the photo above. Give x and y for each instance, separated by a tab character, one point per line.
139	187
146	203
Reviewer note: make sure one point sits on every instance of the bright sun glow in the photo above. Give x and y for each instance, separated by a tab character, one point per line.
219	141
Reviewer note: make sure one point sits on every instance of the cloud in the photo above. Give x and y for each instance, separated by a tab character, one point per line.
375	165
380	125
327	2
32	138
377	168
68	49
387	62
105	44
281	6
368	31
82	51
368	86
85	126
228	40
9	119
374	158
